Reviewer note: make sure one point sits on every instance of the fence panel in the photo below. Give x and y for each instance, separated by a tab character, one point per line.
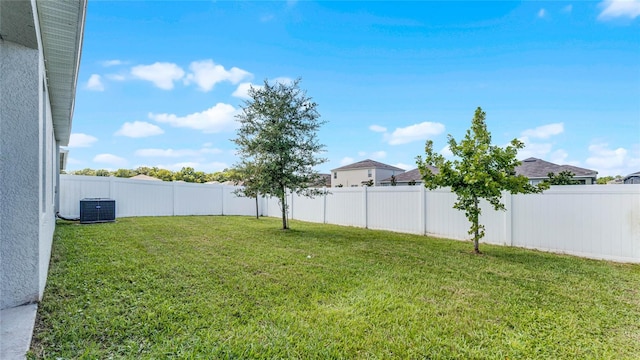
75	188
197	199
395	208
345	206
238	205
142	197
592	221
307	209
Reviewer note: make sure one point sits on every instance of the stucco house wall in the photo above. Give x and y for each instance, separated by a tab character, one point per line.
29	145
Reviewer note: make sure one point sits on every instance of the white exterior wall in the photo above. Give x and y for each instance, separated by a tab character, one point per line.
28	164
350	178
355	177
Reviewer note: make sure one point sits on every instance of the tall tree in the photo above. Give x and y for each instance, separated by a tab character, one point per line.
479	171
277	138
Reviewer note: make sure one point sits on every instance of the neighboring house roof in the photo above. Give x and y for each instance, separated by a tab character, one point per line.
635	174
144	177
368	164
411	175
536	168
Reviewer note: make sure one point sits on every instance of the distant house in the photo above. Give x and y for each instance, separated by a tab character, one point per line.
144	177
632	178
538	170
411	177
359	173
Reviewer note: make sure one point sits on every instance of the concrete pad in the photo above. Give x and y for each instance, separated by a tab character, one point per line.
16	329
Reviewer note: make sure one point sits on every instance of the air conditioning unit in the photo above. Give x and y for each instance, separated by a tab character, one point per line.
97	210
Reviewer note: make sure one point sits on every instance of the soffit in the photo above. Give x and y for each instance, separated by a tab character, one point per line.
62	29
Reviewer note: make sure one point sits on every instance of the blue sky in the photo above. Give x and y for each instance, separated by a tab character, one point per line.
161	81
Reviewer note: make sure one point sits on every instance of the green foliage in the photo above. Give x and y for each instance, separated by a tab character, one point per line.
103	172
411	182
203	287
606	179
480	171
369	183
189	174
563	178
277	142
85	171
124	173
394	182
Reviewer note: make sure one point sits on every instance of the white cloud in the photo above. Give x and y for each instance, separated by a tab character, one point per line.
415	132
378	155
206	74
542	13
446	152
559	157
110	159
568	8
619	8
243	90
405	166
161	74
116	77
139	129
536	150
171	153
216	119
95	83
377	128
346	161
79	140
362	153
109	63
602	158
544	131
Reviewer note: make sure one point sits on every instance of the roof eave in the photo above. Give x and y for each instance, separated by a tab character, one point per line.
62	31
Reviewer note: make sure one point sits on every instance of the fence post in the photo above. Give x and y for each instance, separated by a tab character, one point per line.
508	219
324	204
173	198
423	210
366	206
222	199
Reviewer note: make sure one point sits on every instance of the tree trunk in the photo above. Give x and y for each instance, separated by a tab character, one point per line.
476	220
284	210
257	214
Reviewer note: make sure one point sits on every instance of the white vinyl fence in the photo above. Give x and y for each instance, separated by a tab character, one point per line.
601	222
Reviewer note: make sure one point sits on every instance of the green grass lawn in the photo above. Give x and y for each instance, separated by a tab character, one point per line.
237	287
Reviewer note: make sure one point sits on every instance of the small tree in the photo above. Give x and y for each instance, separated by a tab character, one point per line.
480	171
368	183
277	137
563	178
394	182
